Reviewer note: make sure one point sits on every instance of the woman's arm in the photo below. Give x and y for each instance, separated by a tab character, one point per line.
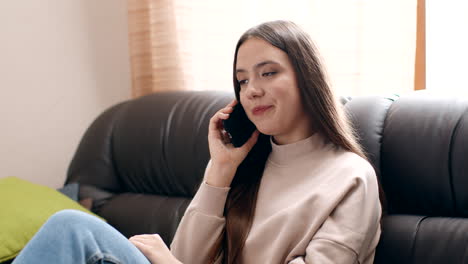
201	225
351	232
204	221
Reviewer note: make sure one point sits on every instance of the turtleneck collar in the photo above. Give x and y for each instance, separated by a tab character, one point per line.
284	155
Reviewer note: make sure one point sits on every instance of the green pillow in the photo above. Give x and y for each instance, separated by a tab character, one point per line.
24	208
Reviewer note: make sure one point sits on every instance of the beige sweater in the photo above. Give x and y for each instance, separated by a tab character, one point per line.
316	204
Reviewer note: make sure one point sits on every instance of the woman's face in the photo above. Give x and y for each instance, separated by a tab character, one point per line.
269	92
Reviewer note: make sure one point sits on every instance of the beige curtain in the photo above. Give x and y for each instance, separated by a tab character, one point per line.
368	47
158	43
420	57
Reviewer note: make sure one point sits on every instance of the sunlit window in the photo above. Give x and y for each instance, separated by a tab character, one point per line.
368	47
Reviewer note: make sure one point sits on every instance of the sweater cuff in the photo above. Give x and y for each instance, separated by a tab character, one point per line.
210	200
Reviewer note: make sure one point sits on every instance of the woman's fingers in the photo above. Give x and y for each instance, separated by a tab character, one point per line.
232	103
222	114
148	243
252	140
226	137
147	237
141	238
154	248
143	246
216	126
229	108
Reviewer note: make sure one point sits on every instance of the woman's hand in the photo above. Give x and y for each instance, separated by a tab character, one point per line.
154	249
225	158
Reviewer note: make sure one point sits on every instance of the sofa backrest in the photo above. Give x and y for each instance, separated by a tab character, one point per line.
424	156
145	159
424	172
151	152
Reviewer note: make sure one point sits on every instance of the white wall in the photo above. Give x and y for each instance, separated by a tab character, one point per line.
62	62
446	46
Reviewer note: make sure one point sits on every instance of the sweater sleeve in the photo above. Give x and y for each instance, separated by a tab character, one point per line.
351	232
201	225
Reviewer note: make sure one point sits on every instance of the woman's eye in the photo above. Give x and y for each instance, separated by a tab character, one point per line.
268	74
242	82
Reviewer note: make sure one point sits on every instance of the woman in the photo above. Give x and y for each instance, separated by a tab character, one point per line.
298	191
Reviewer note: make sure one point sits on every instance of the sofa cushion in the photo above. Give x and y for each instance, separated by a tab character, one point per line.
421	144
134	214
24	209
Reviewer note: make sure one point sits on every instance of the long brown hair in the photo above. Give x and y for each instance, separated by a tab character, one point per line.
326	113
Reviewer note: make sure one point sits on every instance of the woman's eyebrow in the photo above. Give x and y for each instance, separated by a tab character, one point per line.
258	65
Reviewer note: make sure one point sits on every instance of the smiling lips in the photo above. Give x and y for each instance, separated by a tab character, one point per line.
261	109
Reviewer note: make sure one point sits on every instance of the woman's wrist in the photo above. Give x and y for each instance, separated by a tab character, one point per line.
220	176
176	261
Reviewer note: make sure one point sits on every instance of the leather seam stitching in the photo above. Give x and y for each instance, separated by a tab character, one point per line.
450	168
413	246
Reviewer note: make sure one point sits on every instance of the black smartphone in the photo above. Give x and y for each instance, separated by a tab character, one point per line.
239	126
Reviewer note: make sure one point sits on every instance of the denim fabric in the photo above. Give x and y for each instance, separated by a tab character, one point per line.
71	236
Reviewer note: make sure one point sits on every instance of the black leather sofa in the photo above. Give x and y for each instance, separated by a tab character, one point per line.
142	161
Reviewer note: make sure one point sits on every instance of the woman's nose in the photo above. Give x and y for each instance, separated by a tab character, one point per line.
254	89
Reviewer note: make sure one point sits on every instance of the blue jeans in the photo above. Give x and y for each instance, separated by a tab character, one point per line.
71	236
